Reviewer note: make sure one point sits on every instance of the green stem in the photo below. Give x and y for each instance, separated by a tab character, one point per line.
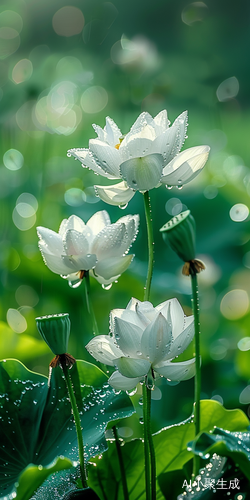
150	245
194	283
149	452
121	463
146	444
77	423
89	304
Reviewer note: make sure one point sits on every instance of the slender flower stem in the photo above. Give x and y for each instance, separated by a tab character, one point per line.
149	452
150	245
194	283
121	463
146	429
77	423
89	304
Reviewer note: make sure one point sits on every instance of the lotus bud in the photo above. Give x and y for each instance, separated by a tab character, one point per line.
55	330
180	233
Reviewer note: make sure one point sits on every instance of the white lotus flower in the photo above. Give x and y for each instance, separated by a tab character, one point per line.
97	246
146	157
144	341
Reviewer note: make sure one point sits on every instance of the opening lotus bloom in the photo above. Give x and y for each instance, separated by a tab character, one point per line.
97	246
144	158
144	341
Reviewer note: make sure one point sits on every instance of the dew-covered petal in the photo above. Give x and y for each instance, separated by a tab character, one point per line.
132	367
132	225
73	222
161	120
57	264
76	243
121	383
81	262
176	371
98	222
144	173
137	146
181	123
87	160
127	315
181	343
156	339
112	267
146	311
107	157
172	310
167	144
50	241
101	134
107	243
104	349
113	133
141	122
185	166
128	337
118	194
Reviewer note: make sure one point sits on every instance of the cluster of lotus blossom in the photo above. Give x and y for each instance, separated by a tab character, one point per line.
144	340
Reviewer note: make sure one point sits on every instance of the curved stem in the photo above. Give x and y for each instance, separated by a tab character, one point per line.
149	452
150	245
77	423
121	463
194	283
89	304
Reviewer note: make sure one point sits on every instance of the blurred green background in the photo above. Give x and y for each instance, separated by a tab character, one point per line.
67	64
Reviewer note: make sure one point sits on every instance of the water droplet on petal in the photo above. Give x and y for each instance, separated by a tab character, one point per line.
107	287
169	187
75	284
122	207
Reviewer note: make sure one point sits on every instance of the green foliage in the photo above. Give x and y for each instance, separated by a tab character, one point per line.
234	445
170	450
33	476
36	420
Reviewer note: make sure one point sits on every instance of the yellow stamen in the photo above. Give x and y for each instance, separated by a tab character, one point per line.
117	146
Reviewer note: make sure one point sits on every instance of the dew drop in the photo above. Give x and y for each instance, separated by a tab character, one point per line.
132	393
69	155
107	287
141	420
169	187
75	284
122	207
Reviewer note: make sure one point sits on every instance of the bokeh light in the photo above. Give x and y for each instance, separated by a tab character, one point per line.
193	13
16	321
13	159
228	89
94	99
234	304
68	21
239	212
22	71
24	213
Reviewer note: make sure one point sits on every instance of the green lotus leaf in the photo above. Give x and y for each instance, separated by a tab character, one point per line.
36	422
235	445
170	450
34	475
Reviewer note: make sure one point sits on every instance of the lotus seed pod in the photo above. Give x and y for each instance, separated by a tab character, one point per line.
55	330
179	233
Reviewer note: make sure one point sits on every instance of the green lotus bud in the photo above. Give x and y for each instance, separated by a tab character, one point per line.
179	234
55	330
